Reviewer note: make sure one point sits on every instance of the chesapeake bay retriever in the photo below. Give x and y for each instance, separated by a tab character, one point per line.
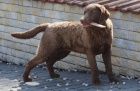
92	36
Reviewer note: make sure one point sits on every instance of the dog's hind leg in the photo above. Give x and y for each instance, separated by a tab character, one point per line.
30	65
57	56
39	58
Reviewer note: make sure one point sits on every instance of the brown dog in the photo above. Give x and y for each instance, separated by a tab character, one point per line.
59	39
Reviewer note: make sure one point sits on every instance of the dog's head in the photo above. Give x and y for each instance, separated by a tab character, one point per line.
94	13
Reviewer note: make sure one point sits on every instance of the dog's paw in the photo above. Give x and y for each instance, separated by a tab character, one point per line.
114	80
96	82
28	79
55	75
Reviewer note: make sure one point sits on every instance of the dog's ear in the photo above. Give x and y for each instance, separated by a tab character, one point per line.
104	15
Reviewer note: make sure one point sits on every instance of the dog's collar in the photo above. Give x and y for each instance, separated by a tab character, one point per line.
95	24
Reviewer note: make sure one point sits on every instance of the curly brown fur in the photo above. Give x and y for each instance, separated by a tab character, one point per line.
60	38
30	33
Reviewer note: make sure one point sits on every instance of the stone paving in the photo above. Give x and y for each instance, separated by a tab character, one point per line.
11	80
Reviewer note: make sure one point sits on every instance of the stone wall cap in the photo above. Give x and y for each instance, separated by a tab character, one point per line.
115	5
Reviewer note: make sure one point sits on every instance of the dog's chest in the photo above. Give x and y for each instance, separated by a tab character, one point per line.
98	49
100	44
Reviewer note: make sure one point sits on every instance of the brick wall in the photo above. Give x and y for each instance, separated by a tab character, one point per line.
21	15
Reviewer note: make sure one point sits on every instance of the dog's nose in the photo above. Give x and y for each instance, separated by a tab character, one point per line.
82	20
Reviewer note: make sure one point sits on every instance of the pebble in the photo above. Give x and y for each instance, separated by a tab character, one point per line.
64	78
45	87
78	80
75	70
58	85
67	84
9	63
123	77
112	83
85	84
124	83
16	80
129	77
44	68
49	79
35	76
56	70
97	90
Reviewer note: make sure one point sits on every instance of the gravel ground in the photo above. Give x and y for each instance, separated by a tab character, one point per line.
11	80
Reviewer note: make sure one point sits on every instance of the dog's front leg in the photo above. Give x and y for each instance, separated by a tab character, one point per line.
93	67
108	65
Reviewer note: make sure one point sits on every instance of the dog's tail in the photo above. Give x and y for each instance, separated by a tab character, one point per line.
30	33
